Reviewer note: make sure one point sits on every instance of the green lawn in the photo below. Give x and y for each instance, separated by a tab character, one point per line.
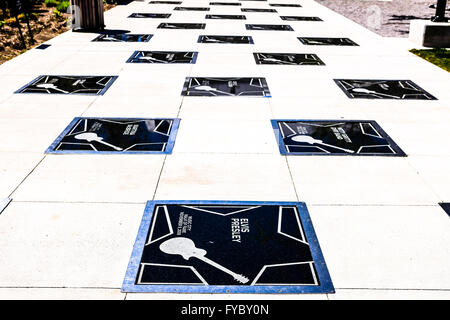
438	56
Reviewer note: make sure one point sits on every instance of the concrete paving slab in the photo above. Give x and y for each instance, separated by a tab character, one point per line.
410	112
295	85
212	48
339	180
225	177
225	108
72	178
155	84
296	75
137	106
434	170
174	41
15	167
217	26
225	150
315	108
10	83
70	37
376	67
34	61
31	135
402	247
19	107
76	245
427	140
221	136
141	70
213	65
92	63
436	86
368	294
213	60
60	294
260	297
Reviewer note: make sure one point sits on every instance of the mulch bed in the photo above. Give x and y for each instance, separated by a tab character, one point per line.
45	25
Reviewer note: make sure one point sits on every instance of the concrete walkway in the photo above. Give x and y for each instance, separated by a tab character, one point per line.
70	228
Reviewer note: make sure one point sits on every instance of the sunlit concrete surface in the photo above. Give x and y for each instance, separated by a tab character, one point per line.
70	228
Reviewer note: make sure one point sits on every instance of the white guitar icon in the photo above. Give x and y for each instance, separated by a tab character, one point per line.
185	247
210	89
92	136
147	58
311	140
363	90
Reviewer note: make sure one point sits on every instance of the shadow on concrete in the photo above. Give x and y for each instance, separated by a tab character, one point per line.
123	2
406	17
113	31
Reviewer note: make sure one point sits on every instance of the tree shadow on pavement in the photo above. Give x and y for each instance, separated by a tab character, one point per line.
405	17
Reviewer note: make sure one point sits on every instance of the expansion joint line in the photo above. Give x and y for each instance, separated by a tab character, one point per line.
29	173
165	157
292	178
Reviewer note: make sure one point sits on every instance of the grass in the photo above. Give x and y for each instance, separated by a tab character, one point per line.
438	56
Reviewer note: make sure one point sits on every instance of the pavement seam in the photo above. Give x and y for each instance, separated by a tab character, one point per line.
29	173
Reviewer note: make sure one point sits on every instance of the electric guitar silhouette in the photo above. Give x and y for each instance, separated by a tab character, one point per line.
185	247
311	140
92	136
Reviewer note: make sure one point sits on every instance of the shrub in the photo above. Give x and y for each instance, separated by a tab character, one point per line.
63	5
57	13
51	3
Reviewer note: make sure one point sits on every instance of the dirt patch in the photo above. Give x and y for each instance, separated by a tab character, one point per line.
387	18
45	24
